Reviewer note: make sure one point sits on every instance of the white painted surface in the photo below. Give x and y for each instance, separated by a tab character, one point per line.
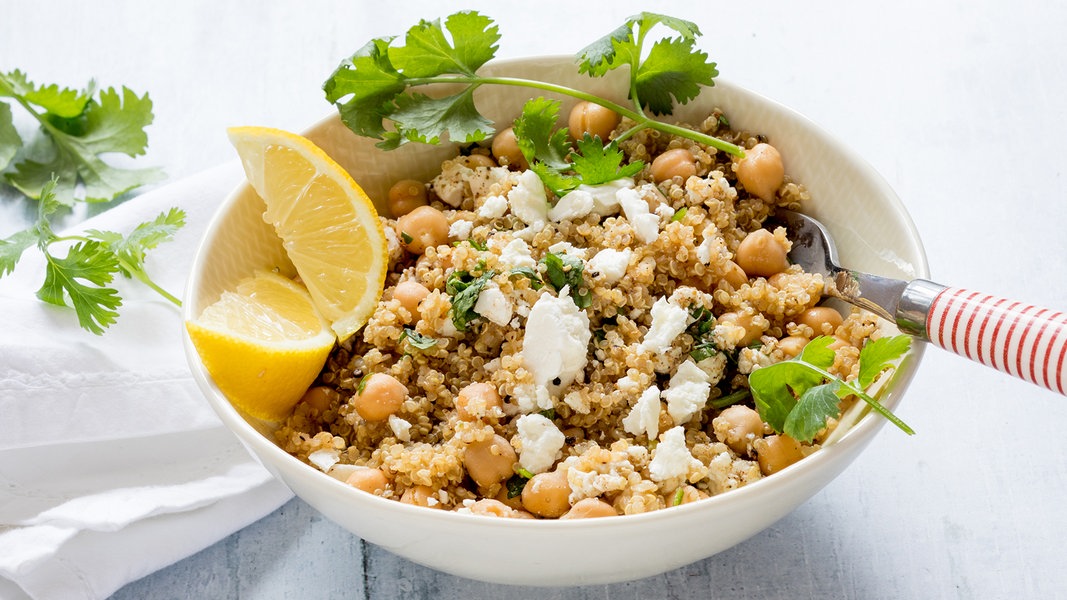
959	105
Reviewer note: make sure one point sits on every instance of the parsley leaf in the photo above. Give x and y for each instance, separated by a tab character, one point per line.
77	129
562	271
797	396
464	290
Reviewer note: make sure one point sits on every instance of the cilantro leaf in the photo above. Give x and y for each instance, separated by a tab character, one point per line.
529	273
65	103
596	163
813	407
417	340
423	119
562	270
560	183
370	82
673	69
878	355
598	58
12	247
427	53
10	142
464	291
130	249
775	387
82	276
536	138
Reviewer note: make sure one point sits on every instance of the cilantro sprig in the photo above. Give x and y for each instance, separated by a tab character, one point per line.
76	129
463	289
80	278
377	83
798	395
565	271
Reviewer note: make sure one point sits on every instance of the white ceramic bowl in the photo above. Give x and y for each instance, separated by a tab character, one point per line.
873	231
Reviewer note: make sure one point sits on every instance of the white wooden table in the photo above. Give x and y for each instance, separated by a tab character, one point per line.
961	107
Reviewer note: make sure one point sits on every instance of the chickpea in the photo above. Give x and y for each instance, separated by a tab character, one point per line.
735	275
490	461
761	171
793	345
382	396
477	400
506	150
776	452
410	293
760	254
738	426
514	502
823	320
596	120
673	163
317	399
421	495
421	228
372	481
546	494
405	196
478	160
744	321
590	508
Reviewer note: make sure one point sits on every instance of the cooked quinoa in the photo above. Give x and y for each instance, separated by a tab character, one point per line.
621	404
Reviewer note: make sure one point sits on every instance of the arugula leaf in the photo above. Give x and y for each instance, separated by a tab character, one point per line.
94	302
464	292
417	340
76	130
797	396
562	271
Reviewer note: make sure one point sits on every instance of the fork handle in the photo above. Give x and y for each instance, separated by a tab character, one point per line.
1014	337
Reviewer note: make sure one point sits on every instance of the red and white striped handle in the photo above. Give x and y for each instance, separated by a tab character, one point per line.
1013	337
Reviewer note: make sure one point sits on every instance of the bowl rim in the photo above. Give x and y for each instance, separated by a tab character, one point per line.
850	443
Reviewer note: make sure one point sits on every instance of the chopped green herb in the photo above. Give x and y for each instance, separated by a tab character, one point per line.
515	485
406	238
376	84
679	214
417	340
480	246
730	399
524	473
679	495
798	395
562	270
549	414
529	273
362	383
701	329
464	290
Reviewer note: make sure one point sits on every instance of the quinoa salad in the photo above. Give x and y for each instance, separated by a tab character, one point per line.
535	356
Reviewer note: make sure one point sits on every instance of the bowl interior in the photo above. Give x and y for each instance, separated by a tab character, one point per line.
873	231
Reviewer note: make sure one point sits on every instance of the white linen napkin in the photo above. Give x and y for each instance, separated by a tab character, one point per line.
112	465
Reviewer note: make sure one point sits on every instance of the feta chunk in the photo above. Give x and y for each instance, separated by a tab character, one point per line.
645	223
517	254
324	459
401	428
644	416
493	305
556	340
573	205
605	201
569	249
540	442
528	200
611	264
494	206
671	457
668	322
461	229
687	393
531	398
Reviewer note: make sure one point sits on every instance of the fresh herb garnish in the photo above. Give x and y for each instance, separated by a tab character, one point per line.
730	399
549	413
464	289
77	127
679	214
529	273
376	83
679	495
515	485
562	270
798	395
417	340
80	278
406	237
700	330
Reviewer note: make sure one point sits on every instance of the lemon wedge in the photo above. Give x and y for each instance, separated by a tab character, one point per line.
328	226
263	343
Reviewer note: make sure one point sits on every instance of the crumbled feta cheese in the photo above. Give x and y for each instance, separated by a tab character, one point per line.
712	245
528	200
447	328
517	254
727	335
714	367
627	384
668	322
401	428
575	204
342	472
596	472
645	224
461	229
687	393
554	345
540	442
531	398
644	416
493	305
664	210
324	459
494	207
568	249
671	457
611	264
605	201
577	403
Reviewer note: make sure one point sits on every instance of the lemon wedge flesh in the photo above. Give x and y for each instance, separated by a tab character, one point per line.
328	226
263	344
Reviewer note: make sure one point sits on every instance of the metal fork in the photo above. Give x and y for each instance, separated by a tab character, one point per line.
1013	337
